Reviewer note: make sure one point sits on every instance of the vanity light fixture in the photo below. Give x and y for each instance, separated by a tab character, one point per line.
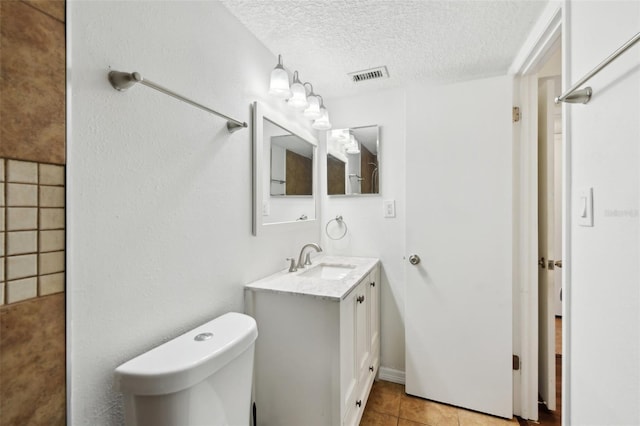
298	97
313	110
279	85
323	122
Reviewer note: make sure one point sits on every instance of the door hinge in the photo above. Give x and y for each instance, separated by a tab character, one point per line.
516	114
516	362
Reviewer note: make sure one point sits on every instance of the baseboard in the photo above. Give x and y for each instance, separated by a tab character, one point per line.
391	375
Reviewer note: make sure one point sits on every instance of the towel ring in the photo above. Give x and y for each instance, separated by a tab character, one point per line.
338	219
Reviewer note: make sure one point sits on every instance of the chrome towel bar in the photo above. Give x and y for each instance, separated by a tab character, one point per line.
121	81
584	95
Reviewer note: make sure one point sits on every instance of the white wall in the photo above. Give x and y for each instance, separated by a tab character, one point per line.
159	193
604	293
371	234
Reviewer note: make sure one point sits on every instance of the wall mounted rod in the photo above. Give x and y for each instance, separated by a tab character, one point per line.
123	80
583	96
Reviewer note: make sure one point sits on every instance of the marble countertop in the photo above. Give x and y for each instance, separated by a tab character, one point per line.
297	283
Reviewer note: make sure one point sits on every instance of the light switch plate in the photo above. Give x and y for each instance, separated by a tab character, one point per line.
265	208
584	207
389	208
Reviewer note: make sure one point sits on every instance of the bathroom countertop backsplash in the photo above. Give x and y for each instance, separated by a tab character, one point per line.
297	283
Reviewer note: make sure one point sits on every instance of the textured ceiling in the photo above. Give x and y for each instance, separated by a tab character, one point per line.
417	40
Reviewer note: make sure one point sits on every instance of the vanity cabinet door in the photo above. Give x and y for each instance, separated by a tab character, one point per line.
374	318
355	351
363	344
348	372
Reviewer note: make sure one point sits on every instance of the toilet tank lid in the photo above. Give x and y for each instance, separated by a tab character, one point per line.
188	359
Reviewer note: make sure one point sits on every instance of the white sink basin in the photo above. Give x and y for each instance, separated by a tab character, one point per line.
329	271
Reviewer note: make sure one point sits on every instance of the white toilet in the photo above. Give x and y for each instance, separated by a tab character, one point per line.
202	378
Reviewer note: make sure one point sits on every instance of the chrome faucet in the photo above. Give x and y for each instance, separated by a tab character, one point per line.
307	261
292	265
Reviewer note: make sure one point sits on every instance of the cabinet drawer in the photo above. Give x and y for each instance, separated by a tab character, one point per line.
354	412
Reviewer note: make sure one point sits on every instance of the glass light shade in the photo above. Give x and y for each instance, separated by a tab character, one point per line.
279	85
353	147
313	110
340	135
323	122
353	150
298	96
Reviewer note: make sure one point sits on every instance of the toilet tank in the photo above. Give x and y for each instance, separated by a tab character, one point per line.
201	378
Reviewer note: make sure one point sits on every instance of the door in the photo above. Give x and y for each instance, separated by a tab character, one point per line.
557	205
458	302
547	235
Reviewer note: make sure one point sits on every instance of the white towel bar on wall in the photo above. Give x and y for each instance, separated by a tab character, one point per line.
121	81
583	96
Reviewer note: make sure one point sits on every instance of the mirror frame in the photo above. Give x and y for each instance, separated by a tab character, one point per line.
261	112
379	146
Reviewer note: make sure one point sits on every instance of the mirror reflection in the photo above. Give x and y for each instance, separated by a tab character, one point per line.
291	165
288	175
353	161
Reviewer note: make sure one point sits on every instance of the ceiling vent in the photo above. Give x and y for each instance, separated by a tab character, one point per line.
370	74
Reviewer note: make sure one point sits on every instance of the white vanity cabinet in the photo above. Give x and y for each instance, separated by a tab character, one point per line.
359	345
316	356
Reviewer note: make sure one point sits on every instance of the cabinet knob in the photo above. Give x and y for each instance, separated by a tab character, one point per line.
360	299
371	368
372	283
359	403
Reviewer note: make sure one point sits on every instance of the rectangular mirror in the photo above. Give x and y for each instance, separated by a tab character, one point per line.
291	162
285	166
353	161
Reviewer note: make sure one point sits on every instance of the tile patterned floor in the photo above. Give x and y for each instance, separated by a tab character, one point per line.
388	405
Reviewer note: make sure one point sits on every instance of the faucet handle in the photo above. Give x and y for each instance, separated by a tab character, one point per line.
292	264
307	259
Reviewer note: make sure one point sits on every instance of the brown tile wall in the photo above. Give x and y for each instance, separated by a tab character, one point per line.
366	170
32	81
32	236
32	363
335	176
299	174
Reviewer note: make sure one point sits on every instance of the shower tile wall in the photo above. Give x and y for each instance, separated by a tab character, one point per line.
32	231
32	219
32	80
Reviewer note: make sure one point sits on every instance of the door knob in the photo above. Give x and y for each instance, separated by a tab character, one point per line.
542	263
414	259
558	263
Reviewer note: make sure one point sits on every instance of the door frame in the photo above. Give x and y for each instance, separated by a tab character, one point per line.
547	35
